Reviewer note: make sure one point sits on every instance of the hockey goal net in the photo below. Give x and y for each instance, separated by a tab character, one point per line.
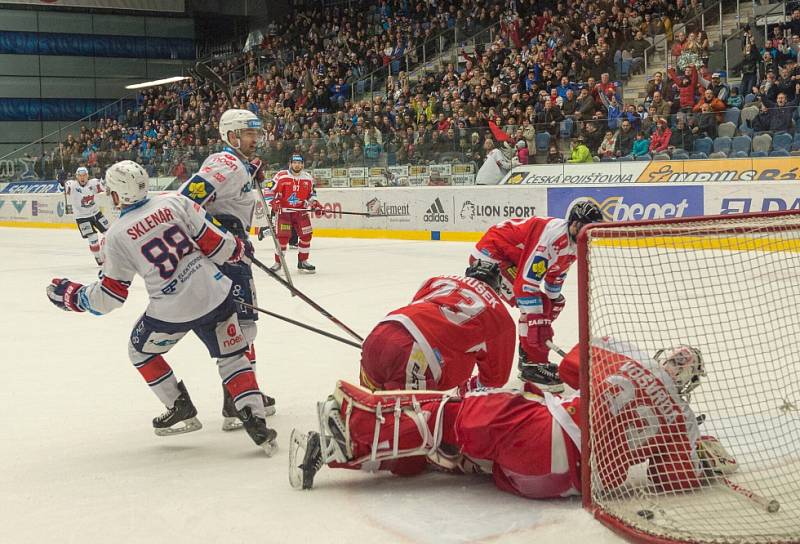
730	287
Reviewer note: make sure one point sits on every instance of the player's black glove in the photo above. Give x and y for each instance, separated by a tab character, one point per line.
64	294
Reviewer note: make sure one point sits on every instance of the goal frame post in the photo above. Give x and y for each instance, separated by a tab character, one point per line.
617	525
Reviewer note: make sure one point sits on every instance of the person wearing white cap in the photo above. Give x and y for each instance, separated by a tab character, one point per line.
720	89
81	193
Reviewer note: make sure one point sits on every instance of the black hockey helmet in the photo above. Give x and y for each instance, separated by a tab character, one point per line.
584	212
485	271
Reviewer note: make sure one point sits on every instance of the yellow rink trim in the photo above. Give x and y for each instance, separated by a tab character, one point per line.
324	233
37	225
700	242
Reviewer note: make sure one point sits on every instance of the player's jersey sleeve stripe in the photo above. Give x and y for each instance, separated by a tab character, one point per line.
209	241
115	289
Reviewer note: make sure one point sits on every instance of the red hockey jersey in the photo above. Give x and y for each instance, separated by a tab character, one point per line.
459	322
293	191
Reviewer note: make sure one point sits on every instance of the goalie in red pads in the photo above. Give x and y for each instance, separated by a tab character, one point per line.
529	444
452	324
534	256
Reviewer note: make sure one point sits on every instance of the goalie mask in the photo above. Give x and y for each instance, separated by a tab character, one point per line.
684	364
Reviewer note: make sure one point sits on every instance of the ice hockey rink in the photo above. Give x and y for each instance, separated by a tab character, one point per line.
80	462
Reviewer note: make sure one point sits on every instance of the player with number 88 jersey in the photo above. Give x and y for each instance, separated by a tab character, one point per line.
172	243
452	324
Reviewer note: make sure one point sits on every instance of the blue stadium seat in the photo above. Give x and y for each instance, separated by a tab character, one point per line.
796	144
565	128
703	145
740	155
741	143
626	158
732	116
722	144
782	141
779	153
698	155
680	155
755	154
645	157
542	141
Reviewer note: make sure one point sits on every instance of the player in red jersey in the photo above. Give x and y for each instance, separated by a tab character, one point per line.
529	443
293	194
452	324
534	256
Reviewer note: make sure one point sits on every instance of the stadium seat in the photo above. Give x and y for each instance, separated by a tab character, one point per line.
626	158
726	130
795	153
722	144
645	157
703	145
732	116
782	140
741	143
756	154
698	155
718	155
796	143
747	116
762	142
661	157
542	141
565	129
740	154
779	153
680	155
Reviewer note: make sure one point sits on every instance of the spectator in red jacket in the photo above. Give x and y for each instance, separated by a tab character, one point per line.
714	103
659	141
687	85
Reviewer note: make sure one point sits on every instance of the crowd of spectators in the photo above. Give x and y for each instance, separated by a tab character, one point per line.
550	80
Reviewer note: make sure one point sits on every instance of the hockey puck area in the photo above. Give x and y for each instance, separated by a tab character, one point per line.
646	514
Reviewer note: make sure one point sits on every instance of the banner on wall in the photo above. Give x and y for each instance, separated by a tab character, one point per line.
767	197
31	187
630	203
140	5
690	171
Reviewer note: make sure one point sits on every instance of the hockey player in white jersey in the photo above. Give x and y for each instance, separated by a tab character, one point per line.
224	187
81	193
174	245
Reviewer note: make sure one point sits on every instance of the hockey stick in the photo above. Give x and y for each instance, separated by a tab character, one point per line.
306	299
302	325
273	233
364	214
769	505
555	348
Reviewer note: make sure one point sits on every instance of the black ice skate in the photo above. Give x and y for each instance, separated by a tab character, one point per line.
261	232
231	420
256	427
305	459
307	267
543	376
183	414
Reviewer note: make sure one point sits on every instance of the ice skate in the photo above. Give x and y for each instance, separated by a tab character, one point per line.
256	427
305	459
307	267
179	419
541	376
231	420
276	267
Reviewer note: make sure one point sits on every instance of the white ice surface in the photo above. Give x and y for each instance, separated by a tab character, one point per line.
79	461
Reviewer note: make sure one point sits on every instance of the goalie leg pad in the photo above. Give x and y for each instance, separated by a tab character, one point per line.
362	429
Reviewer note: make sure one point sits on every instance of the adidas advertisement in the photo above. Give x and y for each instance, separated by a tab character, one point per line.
436	213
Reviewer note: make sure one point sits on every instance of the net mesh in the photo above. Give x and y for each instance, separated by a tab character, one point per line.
729	287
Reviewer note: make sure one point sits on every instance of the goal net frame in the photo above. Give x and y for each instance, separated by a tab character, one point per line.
684	232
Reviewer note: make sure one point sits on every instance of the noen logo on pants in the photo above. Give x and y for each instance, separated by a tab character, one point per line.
435	213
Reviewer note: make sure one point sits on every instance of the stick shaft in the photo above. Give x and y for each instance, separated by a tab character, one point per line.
302	325
770	505
555	348
272	232
306	299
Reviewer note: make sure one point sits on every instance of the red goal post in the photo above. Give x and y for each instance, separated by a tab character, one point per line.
728	285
